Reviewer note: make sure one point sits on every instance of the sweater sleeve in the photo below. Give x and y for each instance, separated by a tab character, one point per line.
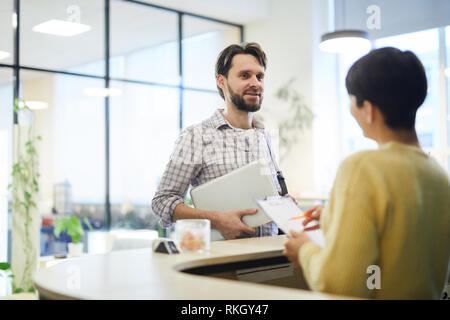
351	240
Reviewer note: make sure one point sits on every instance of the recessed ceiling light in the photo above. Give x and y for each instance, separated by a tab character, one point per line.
61	28
102	92
4	55
37	105
447	72
14	20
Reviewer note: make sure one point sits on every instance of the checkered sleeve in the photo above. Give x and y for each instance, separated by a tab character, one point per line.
268	229
184	164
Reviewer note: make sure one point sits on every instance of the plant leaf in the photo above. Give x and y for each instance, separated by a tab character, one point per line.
16	105
58	226
18	290
75	229
27	195
5	266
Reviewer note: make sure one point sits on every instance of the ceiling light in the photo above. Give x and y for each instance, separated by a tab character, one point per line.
4	55
343	41
37	105
14	20
447	72
61	28
102	92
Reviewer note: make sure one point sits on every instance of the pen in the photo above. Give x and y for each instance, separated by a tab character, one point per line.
300	217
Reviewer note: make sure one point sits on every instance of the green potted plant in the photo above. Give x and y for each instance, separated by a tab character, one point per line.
74	229
24	192
6	273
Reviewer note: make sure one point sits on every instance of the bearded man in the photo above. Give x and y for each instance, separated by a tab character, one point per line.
228	140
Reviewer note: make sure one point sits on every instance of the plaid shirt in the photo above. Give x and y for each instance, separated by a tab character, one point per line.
206	151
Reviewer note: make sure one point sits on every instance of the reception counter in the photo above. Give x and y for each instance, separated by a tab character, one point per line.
250	269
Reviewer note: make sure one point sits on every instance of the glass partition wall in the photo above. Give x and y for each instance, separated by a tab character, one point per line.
6	121
107	79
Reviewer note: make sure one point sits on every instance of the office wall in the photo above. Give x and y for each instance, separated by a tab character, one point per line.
290	36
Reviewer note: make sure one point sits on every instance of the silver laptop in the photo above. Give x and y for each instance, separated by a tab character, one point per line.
237	190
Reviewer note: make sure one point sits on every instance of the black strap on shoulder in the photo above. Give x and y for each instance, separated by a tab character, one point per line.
280	177
282	183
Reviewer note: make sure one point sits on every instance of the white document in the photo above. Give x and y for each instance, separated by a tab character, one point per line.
282	210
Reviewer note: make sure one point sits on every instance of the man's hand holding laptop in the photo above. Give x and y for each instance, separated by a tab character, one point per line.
230	224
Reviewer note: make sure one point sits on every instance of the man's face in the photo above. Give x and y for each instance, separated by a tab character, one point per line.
244	86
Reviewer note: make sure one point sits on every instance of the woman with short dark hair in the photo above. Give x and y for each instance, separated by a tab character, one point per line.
387	222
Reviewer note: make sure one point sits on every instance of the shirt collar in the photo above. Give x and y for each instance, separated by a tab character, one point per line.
219	121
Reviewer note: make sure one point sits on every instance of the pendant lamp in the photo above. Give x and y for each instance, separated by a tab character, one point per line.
343	41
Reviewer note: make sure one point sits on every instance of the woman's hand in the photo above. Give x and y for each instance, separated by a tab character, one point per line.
312	214
230	224
293	245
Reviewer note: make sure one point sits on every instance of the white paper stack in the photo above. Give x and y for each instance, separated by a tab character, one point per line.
282	210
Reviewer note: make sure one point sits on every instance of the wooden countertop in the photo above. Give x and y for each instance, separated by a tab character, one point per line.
143	274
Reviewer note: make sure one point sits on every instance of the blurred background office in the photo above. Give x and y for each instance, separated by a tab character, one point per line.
112	89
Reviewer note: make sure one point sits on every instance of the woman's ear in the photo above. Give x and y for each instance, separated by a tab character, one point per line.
369	111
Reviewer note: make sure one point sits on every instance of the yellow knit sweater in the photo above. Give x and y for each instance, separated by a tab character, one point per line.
390	208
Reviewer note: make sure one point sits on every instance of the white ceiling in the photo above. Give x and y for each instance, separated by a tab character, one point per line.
237	11
132	27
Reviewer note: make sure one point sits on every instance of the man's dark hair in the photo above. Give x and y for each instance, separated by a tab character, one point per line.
223	63
393	80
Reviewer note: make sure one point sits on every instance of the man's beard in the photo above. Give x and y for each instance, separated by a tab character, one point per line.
239	102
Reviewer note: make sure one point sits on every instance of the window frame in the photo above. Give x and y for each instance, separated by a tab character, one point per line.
16	67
